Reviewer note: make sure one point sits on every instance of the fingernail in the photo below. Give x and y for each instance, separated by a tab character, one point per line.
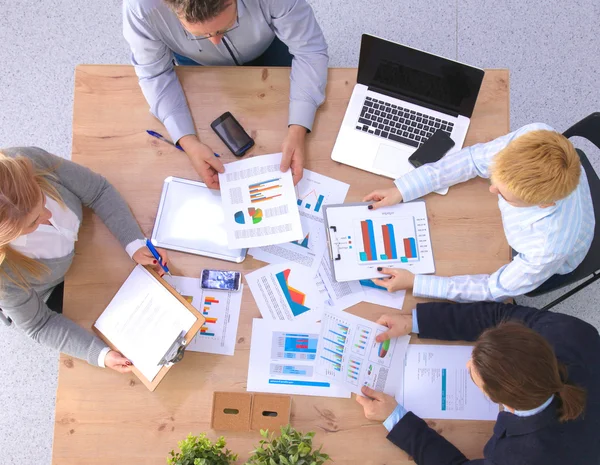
154	261
127	362
379	268
370	207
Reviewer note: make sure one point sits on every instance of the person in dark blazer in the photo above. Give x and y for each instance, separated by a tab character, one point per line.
542	367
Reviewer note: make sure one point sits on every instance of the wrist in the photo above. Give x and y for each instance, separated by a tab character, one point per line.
188	142
297	130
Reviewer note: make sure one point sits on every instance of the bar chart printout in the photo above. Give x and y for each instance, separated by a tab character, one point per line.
388	241
265	190
311	201
335	337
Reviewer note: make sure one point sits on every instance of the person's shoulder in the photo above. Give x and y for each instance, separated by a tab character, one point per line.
569	326
142	8
534	127
39	156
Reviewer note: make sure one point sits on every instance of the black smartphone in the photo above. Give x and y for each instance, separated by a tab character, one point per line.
432	150
221	280
232	134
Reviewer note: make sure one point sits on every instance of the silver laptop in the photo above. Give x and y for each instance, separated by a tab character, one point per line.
401	98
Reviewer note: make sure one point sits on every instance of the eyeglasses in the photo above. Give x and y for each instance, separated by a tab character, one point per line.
235	25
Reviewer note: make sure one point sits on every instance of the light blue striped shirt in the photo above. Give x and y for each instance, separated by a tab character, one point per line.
552	240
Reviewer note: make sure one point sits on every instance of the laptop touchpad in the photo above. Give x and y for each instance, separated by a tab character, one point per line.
393	160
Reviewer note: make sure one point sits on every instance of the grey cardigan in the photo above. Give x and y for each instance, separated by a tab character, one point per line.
77	186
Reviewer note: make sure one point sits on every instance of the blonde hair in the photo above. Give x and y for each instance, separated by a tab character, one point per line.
539	167
21	185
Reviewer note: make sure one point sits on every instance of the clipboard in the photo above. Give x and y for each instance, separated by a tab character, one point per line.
361	240
178	345
190	219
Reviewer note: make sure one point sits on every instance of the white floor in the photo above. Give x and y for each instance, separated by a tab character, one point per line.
549	47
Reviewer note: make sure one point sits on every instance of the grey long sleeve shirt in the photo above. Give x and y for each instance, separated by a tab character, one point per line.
78	187
154	32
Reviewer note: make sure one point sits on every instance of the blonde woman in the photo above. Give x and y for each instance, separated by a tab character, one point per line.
41	199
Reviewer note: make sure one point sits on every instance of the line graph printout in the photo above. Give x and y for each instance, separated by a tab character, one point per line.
313	192
363	239
283	359
259	203
349	355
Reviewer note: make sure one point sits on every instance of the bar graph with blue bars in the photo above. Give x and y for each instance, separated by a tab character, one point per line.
383	241
312	201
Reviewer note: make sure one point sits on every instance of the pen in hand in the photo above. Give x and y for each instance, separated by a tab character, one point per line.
164	139
158	257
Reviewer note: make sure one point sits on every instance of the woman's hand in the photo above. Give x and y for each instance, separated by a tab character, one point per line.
399	279
384	198
377	405
117	362
143	256
398	324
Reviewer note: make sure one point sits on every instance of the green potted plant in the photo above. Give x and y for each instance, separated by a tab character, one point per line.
199	450
290	448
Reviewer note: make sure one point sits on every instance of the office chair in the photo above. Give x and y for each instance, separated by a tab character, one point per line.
588	128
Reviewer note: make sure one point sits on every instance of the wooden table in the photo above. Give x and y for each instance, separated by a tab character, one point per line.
106	418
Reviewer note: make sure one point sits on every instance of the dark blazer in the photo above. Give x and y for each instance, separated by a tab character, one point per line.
536	440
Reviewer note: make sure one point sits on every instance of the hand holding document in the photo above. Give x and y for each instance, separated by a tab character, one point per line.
259	203
349	355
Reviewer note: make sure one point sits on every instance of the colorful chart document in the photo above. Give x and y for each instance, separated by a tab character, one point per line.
259	203
362	240
221	310
313	191
286	292
349	355
283	359
437	384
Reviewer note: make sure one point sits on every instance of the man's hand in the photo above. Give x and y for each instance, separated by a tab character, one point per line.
143	256
383	198
293	151
377	405
203	160
400	325
399	279
117	362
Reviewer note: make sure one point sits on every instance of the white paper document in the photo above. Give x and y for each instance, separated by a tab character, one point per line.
221	309
143	320
259	202
349	355
341	295
286	292
362	240
380	296
437	384
283	359
313	191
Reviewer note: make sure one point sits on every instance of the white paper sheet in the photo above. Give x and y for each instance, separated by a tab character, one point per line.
283	358
380	296
341	295
143	320
313	191
438	385
221	309
259	202
349	356
286	292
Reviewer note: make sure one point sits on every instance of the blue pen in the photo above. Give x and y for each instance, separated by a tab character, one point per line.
164	139
157	256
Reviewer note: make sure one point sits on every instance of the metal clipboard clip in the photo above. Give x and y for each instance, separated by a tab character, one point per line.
175	353
334	242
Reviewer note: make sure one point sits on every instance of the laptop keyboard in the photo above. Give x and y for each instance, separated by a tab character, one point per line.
399	124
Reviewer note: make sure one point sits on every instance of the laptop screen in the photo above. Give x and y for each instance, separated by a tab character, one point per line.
418	76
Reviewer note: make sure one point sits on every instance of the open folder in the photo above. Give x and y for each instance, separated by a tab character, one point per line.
145	321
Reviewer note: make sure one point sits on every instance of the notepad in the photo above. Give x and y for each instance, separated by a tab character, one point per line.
143	320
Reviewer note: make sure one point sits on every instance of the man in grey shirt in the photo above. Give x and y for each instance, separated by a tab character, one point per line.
227	33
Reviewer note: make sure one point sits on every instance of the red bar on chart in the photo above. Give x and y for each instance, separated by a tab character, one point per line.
407	249
386	241
365	237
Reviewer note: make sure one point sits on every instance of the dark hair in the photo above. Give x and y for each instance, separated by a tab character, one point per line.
198	11
518	368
